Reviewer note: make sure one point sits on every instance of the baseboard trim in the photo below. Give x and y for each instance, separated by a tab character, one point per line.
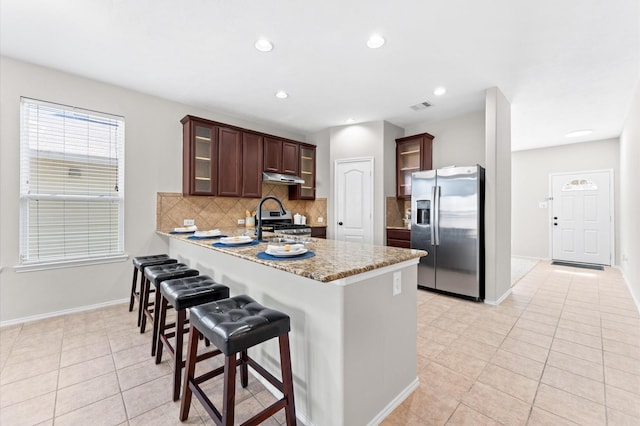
395	402
500	300
628	283
59	313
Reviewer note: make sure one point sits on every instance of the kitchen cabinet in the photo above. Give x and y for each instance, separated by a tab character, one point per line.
399	238
413	153
230	162
281	156
252	158
319	232
307	169
199	157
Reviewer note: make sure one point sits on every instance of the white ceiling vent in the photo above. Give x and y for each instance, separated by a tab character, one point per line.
420	106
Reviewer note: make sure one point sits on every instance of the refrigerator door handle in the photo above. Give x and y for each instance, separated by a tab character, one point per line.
436	215
432	215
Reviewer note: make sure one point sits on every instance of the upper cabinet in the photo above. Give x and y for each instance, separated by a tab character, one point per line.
252	158
199	157
307	169
281	156
230	160
413	153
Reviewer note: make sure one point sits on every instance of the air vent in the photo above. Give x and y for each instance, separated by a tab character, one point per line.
420	106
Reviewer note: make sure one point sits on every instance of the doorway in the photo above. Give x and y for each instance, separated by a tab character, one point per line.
354	200
582	217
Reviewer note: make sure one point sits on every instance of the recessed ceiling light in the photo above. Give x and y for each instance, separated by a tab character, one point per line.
282	94
350	121
264	45
439	91
577	133
375	41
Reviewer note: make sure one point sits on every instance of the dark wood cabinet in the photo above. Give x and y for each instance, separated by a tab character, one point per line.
199	157
307	169
319	231
413	153
272	155
230	162
290	160
252	158
399	238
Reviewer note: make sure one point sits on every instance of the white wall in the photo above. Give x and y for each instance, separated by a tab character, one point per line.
630	197
153	157
458	141
530	225
497	196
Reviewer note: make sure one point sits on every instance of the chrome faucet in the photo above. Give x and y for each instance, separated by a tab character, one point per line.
259	218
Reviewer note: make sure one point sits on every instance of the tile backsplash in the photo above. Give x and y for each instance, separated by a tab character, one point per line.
219	212
396	210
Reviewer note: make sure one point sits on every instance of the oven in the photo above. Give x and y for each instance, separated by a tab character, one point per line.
278	223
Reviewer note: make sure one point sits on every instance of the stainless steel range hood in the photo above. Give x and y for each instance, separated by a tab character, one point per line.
281	179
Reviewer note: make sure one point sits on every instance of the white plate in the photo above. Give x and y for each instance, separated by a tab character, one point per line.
234	241
211	233
291	253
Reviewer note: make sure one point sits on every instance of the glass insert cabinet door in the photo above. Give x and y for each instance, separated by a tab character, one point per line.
203	147
307	166
408	157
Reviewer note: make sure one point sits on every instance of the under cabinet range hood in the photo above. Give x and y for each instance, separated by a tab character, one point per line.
281	178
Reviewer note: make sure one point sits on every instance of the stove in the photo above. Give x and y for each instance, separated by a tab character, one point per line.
275	221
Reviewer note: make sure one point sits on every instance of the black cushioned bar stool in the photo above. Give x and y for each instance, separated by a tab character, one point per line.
183	293
139	263
233	325
156	275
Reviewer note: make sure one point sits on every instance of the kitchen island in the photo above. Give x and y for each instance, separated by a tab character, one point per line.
353	342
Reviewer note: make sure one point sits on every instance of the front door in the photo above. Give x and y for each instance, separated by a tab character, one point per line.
354	200
581	217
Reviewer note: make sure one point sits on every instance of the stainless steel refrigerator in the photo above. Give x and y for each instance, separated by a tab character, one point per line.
447	220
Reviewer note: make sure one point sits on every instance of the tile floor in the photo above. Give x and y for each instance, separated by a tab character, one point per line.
563	349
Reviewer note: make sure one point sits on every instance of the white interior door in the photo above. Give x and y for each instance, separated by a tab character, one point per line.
354	200
582	217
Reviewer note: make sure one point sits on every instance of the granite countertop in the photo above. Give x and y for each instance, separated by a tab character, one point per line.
333	259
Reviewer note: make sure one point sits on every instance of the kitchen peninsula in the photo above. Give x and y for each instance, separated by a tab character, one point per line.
353	342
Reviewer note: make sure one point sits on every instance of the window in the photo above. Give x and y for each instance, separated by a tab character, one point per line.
71	188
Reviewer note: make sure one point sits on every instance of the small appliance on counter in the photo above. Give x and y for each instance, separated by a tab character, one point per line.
447	221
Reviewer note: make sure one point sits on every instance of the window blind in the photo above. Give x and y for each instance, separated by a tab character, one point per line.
71	187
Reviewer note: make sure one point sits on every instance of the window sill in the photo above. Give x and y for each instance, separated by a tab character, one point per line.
43	266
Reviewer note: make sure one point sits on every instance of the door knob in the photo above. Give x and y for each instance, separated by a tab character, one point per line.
555	218
555	224
340	223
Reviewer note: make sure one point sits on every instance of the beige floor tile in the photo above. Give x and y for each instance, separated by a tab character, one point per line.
631	338
430	407
437	335
579	337
540	417
461	362
82	394
142	372
585	319
519	364
573	383
621	348
132	356
84	339
623	380
25	389
621	400
577	350
473	347
529	350
84	353
509	382
540	318
148	396
529	336
464	416
401	416
447	381
617	418
166	415
613	319
537	327
497	404
28	369
86	370
569	406
591	370
125	339
428	349
621	362
592	330
30	412
106	412
449	324
478	332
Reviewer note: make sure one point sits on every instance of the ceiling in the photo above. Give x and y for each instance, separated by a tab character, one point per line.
564	65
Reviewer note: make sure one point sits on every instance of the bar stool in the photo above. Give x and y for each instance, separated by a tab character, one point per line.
233	325
156	275
139	263
182	294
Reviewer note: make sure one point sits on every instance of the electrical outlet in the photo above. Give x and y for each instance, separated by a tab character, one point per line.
240	221
320	219
397	283
189	222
